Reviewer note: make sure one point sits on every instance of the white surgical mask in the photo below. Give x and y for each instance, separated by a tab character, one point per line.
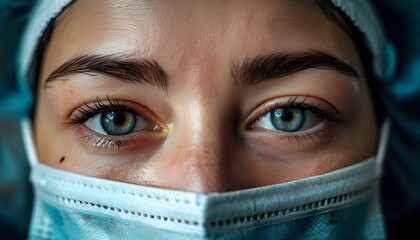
343	204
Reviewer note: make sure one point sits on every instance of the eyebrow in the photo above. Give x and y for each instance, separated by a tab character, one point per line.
141	71
276	65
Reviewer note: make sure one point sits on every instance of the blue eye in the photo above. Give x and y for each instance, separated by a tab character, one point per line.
288	119
117	122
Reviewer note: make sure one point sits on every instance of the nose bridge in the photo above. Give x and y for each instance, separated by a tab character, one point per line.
199	138
201	150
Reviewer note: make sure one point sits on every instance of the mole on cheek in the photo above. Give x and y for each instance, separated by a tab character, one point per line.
62	159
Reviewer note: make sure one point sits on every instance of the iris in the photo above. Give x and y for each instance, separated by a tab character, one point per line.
118	122
287	119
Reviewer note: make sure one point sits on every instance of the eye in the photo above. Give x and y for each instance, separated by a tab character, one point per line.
118	122
288	119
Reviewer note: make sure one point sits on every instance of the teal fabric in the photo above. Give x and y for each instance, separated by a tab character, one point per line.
15	190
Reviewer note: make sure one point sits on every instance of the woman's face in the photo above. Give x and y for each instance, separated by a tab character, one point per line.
204	96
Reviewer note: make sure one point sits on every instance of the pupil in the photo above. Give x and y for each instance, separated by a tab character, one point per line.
287	116
284	114
116	117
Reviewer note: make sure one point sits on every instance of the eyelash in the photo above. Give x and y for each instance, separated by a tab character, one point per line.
88	111
293	102
300	139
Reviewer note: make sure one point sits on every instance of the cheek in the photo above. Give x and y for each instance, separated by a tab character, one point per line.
45	134
252	169
55	143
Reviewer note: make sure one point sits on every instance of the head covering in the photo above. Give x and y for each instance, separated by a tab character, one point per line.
399	92
41	16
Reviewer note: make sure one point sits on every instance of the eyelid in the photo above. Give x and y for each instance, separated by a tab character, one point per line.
110	144
95	122
305	102
116	143
90	109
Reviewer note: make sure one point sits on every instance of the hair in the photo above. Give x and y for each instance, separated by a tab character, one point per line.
333	13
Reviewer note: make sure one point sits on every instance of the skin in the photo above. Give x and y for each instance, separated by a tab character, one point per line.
205	135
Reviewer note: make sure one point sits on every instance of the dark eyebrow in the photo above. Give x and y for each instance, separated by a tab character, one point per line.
141	71
276	65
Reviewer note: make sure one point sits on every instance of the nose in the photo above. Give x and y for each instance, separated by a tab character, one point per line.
196	154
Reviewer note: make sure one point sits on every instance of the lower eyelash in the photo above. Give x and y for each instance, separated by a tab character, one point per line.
319	136
100	142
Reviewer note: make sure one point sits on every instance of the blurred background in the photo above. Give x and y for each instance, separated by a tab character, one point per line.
15	190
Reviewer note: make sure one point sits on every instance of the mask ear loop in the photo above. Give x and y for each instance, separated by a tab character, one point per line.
28	142
383	142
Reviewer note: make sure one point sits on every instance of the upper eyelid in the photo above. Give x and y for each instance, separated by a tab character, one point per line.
293	101
117	104
90	110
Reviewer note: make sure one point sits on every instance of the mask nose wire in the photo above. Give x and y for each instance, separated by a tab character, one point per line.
28	141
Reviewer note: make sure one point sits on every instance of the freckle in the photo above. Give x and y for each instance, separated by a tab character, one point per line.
62	159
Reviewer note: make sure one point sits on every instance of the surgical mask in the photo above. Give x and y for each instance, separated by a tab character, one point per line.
342	204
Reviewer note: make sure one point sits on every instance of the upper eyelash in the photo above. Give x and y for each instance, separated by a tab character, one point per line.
292	102
88	111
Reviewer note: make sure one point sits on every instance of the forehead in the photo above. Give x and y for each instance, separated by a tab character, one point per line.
186	31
